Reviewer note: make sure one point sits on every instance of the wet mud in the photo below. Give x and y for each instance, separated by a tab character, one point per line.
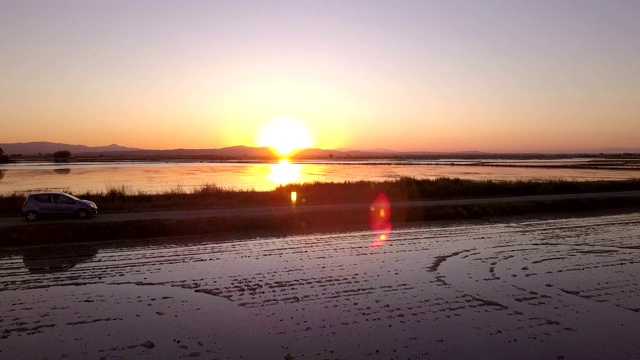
561	288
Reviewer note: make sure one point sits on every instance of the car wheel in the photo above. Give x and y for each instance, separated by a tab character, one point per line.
31	216
83	214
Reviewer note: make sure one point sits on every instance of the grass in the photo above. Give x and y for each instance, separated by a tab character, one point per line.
123	199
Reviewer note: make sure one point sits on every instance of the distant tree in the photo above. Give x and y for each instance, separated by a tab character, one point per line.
3	158
61	155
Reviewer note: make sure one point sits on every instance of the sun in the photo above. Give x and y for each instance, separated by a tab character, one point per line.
285	135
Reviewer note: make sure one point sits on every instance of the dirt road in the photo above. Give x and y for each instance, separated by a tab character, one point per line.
283	210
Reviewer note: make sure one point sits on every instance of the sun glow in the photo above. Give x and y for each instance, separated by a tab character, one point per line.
285	135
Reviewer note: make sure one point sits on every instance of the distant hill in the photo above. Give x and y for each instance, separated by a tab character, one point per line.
43	147
239	152
611	151
231	152
242	152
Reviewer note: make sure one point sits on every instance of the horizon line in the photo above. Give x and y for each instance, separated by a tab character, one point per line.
609	150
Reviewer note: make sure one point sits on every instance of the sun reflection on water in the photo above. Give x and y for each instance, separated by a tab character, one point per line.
284	172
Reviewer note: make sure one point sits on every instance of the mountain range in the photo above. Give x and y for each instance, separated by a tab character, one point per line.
42	148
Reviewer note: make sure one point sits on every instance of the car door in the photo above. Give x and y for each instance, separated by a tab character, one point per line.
63	204
44	204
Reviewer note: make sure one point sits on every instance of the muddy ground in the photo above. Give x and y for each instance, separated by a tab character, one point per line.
555	289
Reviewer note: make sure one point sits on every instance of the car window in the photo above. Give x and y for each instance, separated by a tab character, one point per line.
44	198
66	199
61	199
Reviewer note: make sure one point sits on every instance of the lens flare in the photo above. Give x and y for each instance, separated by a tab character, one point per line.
380	219
381	237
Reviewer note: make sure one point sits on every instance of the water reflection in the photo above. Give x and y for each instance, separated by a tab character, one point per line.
64	171
162	177
285	172
53	259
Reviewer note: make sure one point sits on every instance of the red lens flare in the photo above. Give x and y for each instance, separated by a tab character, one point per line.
380	219
381	237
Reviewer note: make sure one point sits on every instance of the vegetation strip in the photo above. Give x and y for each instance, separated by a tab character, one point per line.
123	199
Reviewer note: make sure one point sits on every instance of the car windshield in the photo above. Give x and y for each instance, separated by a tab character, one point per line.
73	197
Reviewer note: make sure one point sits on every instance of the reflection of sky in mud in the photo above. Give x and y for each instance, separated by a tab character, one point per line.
546	289
160	177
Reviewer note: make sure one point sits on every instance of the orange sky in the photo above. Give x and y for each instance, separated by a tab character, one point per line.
434	76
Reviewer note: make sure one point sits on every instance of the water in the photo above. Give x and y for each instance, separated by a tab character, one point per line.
155	177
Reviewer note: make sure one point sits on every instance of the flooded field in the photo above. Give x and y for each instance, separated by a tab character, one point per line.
162	177
555	289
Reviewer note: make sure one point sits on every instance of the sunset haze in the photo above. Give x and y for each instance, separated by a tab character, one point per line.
496	76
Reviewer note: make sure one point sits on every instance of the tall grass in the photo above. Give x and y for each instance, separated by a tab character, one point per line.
407	188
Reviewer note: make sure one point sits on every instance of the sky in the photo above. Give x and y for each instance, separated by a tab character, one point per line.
498	76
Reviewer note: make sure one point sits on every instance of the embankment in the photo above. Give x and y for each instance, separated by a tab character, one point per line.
298	221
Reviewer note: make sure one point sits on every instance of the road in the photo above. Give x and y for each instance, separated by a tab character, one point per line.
533	289
283	210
